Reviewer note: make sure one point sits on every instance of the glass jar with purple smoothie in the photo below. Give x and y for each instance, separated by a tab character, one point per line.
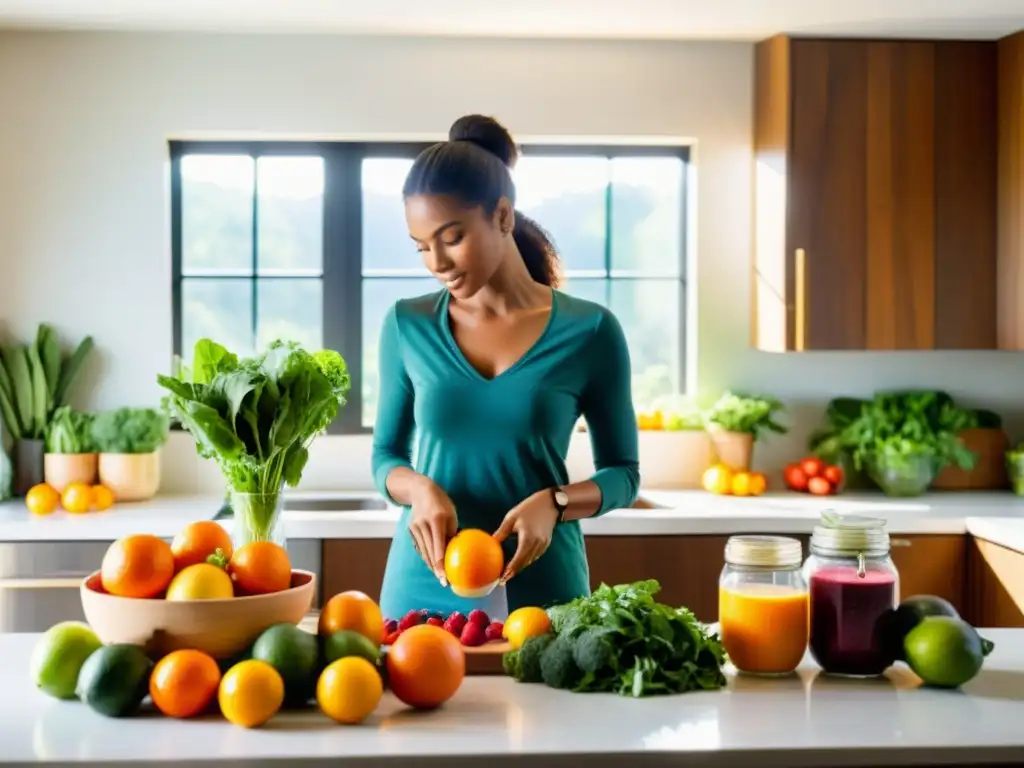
854	586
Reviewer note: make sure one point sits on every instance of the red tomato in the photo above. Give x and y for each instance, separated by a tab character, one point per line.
819	486
833	474
796	480
812	466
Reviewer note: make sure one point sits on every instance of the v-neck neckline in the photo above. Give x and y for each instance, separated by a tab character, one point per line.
446	329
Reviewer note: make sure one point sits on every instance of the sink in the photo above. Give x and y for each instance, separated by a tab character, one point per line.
319	505
335	505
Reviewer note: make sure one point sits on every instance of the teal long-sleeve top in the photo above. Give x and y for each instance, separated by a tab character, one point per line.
492	442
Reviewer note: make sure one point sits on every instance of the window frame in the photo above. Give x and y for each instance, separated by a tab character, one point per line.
342	270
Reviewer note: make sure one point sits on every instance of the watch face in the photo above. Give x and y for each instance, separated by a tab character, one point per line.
561	498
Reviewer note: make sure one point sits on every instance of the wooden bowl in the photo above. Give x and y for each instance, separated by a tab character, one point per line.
221	628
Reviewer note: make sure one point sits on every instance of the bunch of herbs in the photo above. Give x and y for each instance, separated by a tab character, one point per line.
748	414
129	430
69	432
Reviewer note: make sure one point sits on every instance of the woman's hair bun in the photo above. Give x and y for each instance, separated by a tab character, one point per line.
487	133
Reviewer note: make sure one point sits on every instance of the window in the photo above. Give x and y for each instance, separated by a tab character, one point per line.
307	241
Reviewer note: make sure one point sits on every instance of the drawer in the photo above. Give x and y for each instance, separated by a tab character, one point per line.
50	559
35	607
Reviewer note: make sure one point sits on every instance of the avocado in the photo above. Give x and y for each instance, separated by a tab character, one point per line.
115	679
908	615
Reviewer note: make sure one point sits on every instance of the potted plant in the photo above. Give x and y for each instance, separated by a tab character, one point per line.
988	441
675	448
128	441
70	451
256	418
35	380
737	421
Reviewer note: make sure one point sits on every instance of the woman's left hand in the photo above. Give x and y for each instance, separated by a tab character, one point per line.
532	521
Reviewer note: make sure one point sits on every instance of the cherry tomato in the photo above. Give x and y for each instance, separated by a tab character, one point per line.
819	486
812	466
796	479
833	474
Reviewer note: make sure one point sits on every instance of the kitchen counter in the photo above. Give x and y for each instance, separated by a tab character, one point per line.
997	517
806	720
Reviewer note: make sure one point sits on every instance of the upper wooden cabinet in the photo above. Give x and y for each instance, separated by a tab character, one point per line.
875	195
1011	192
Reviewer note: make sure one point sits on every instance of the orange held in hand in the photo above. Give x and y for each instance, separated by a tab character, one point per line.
473	563
137	566
261	567
355	611
197	541
426	666
184	683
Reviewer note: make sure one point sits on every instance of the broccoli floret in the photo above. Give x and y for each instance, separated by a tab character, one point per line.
557	668
530	655
593	651
510	663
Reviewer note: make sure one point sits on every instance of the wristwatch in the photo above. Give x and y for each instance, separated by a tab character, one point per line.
561	499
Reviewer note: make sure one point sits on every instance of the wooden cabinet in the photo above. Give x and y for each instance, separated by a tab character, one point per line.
995	585
688	567
875	189
1011	192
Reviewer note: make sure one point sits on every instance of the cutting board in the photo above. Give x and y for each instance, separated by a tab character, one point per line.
480	660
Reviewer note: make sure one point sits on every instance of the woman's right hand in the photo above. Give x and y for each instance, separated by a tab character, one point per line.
432	524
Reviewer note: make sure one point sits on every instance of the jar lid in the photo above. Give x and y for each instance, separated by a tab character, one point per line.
763	551
850	535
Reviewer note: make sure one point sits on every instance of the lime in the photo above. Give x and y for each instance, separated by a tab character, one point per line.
115	679
911	611
59	655
345	643
295	655
944	651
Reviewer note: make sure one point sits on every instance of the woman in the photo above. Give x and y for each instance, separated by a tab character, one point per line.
491	374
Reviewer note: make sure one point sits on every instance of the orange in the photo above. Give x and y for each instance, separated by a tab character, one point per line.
137	566
524	623
76	498
250	693
261	567
426	666
355	611
201	581
42	499
473	562
349	689
741	484
183	683
102	498
758	483
717	479
197	541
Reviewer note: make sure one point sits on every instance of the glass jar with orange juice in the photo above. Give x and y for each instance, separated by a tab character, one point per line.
763	604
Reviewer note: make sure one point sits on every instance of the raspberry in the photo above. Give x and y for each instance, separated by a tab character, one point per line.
410	619
493	631
455	624
473	634
435	622
476	616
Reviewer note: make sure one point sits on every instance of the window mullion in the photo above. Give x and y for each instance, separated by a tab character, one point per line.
253	280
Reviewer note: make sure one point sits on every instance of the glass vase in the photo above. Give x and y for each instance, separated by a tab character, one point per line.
257	517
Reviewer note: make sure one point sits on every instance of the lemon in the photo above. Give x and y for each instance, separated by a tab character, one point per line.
717	479
524	623
201	581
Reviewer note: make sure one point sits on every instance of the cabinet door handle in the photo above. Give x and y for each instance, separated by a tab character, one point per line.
800	310
44	583
900	543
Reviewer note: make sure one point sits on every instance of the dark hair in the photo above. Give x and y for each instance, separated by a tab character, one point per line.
474	165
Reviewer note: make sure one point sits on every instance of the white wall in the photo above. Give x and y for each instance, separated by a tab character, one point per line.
84	120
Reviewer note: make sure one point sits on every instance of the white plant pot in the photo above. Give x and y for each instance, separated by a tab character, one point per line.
131	476
674	459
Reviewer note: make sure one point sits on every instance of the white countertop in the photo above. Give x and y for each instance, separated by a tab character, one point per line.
807	720
998	517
